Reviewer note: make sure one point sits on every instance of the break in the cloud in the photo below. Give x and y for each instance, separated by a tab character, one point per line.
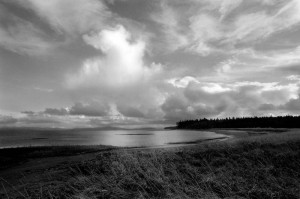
100	62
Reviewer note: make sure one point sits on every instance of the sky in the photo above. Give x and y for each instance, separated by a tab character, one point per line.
101	63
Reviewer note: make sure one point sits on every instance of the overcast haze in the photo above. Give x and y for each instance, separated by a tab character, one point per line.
93	63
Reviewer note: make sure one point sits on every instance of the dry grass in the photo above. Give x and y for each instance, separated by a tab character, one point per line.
255	168
10	157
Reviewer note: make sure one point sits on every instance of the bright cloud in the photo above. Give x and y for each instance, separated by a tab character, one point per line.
182	82
120	72
101	63
121	65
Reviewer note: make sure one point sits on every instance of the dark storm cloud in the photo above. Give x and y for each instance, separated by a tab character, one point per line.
292	106
93	109
27	121
7	120
54	111
130	111
39	120
28	112
177	108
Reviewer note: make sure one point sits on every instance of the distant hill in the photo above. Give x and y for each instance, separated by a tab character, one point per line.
243	122
170	127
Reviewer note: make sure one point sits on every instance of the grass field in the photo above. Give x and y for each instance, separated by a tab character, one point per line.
266	166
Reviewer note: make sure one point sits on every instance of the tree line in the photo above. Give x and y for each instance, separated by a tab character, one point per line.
242	122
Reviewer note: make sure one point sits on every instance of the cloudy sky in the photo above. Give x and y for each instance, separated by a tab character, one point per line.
95	63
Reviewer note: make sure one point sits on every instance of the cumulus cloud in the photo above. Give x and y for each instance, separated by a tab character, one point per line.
291	106
182	82
121	65
178	107
119	76
211	99
294	78
95	114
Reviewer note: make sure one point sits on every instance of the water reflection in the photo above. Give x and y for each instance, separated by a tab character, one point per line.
125	138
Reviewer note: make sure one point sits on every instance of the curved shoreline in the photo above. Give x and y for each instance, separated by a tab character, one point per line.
227	133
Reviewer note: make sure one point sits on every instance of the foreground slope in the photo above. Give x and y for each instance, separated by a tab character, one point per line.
266	166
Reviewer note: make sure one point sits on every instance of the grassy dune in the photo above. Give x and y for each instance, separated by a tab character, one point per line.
266	166
10	157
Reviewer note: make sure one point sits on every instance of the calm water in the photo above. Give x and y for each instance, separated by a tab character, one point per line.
107	137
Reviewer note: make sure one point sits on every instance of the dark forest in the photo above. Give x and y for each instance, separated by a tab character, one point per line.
243	122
